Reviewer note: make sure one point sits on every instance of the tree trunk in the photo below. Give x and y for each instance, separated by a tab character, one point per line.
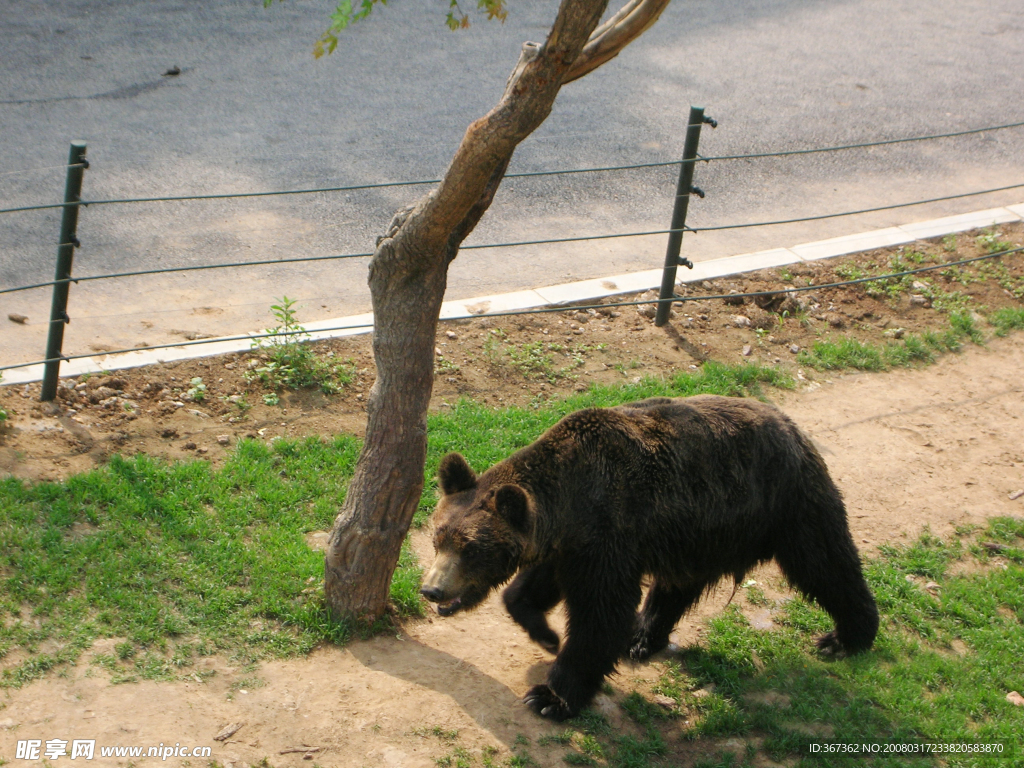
408	274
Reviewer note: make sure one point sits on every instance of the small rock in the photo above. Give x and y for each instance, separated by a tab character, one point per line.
895	333
202	449
101	394
794	348
918	300
1016	494
223	439
747	351
189	446
169	432
664	701
835	321
740	321
1015	698
6	724
581	317
228	731
647	310
920	287
606	706
451	335
14	317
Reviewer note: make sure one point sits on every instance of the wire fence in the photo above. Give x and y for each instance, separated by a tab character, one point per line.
575	307
519	175
73	203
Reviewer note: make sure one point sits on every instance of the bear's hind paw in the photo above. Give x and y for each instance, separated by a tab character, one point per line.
546	703
830	645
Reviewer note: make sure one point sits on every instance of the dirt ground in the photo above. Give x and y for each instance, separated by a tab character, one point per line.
936	446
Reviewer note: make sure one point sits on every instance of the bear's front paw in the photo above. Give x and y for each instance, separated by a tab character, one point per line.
546	703
643	646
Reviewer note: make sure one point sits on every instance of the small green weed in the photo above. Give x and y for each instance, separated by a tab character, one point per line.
443	365
293	364
991	241
535	359
995	269
196	391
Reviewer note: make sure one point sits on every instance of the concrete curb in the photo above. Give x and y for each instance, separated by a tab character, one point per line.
566	293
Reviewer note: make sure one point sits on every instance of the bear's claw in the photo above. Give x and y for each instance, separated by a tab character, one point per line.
546	703
639	652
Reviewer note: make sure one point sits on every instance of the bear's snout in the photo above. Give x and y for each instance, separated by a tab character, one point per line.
433	594
442	584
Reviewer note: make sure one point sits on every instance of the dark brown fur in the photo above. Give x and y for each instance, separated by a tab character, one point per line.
685	491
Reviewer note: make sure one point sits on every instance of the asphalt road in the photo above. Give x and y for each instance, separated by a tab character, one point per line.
252	110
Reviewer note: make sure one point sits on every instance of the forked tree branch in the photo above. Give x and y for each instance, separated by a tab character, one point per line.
615	34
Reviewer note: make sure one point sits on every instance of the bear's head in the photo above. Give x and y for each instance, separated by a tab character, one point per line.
481	530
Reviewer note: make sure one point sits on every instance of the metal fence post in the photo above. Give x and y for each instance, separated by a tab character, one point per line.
683	191
65	255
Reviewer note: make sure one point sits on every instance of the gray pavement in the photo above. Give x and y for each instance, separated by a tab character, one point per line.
252	110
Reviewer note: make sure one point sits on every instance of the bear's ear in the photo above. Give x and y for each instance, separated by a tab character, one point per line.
512	504
455	474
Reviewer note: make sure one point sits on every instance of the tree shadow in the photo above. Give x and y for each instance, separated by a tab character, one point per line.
492	704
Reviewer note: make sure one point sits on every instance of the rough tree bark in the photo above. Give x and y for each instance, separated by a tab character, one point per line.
408	275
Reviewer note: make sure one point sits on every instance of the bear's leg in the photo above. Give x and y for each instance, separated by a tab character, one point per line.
827	569
601	613
663	608
529	597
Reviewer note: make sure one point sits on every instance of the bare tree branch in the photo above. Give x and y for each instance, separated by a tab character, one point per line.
526	103
614	35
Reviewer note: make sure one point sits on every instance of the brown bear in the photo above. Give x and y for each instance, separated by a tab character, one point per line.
683	491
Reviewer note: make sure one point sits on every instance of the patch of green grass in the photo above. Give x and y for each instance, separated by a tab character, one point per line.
1007	319
179	559
846	352
947	654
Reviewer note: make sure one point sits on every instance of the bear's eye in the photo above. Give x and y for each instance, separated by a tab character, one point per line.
471	552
